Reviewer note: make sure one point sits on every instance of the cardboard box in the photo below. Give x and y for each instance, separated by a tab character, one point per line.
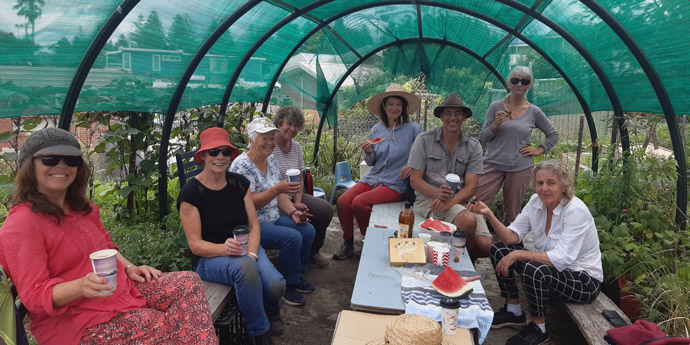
357	328
402	250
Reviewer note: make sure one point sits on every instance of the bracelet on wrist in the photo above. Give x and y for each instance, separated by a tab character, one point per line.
129	266
256	257
293	212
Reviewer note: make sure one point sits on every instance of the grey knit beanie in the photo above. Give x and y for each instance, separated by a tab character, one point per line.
49	141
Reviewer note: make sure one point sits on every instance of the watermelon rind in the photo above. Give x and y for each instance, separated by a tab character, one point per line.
450	283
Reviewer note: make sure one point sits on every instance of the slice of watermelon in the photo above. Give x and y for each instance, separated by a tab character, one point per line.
376	140
435	224
439	226
450	283
427	223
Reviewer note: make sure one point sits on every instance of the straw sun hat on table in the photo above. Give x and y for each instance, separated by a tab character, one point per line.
412	329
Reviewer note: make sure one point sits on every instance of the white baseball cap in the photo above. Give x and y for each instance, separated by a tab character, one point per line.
261	125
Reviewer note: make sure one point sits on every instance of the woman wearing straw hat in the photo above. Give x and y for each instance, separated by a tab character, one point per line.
385	182
45	245
283	226
509	158
211	205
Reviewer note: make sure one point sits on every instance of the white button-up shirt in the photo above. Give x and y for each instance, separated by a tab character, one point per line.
572	242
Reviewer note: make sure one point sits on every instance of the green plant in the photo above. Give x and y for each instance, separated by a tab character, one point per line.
630	199
663	292
144	243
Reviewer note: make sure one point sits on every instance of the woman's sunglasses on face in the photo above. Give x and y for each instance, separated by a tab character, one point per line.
214	152
71	161
515	81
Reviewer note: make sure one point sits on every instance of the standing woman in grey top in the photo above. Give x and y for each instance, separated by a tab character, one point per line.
508	160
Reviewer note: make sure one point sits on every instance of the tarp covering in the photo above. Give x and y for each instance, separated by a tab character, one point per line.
140	64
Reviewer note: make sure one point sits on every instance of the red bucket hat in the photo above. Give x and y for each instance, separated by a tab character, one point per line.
214	137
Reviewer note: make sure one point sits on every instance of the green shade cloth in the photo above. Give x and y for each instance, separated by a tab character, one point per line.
44	41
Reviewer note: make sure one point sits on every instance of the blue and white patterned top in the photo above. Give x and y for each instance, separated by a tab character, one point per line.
259	183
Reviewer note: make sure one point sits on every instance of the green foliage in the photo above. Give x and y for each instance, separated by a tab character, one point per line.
143	242
624	198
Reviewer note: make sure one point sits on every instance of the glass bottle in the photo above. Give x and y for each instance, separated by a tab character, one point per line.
406	222
308	182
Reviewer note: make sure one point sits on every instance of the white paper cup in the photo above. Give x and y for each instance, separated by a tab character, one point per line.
425	237
452	180
449	314
293	175
104	263
241	233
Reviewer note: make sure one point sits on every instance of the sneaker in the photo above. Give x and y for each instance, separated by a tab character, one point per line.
292	297
347	250
504	318
531	335
303	286
320	260
277	326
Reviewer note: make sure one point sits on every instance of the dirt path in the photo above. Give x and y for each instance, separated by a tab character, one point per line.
314	323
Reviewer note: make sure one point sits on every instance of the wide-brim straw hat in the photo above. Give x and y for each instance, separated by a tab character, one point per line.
453	100
375	103
214	137
411	329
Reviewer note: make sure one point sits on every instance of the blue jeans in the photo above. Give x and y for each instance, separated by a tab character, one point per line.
256	284
293	241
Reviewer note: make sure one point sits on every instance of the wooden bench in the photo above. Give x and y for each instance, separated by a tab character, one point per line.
590	321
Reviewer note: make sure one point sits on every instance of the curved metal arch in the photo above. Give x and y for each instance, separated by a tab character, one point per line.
664	100
97	44
277	26
583	103
177	97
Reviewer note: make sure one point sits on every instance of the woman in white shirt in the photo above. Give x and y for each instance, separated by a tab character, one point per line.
566	265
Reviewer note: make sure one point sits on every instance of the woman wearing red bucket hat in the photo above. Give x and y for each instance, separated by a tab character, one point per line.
211	205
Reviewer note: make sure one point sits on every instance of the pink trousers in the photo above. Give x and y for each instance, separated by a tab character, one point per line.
357	202
514	187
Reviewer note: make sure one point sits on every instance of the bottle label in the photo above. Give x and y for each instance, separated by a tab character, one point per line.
402	230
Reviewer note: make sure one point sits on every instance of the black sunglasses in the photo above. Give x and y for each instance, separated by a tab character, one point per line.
515	81
72	161
214	152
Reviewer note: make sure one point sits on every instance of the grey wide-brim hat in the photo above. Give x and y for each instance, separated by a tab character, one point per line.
49	141
453	100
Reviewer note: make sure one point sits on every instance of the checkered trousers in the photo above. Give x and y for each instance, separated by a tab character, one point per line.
543	283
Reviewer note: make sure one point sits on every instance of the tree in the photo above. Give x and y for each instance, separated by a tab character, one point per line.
31	9
122	42
149	33
182	34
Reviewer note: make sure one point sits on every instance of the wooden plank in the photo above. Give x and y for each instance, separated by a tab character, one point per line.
217	297
588	318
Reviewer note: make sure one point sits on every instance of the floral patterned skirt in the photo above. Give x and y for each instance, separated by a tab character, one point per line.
176	312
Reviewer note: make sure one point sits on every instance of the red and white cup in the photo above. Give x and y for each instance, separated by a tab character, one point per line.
438	254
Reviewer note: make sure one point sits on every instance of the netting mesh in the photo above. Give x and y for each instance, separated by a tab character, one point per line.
451	42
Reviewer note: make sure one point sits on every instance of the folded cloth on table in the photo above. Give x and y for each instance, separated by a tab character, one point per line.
421	298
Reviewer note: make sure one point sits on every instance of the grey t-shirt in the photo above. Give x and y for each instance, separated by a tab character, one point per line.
503	148
429	155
